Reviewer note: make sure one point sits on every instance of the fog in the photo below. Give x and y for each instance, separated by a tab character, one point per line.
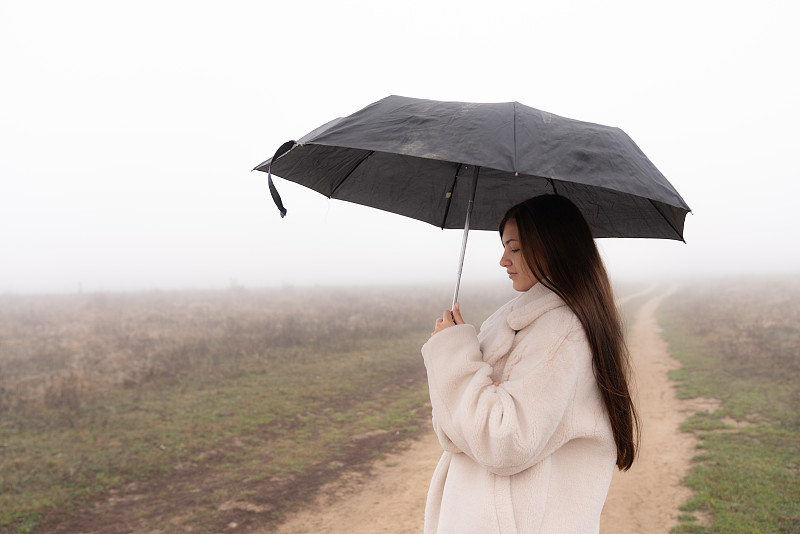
128	132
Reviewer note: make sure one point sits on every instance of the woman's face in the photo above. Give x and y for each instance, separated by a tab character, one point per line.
521	276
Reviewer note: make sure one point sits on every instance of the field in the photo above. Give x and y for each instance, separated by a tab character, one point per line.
223	411
202	411
739	343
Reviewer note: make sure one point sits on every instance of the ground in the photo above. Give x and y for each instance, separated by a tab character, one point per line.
643	500
388	494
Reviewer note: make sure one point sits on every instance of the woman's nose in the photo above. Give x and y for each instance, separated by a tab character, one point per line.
504	261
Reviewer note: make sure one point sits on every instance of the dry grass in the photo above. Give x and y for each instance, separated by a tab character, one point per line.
198	398
57	352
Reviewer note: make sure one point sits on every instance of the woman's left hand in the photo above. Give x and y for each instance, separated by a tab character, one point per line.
448	319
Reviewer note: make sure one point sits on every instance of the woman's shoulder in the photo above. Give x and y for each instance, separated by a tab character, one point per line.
557	339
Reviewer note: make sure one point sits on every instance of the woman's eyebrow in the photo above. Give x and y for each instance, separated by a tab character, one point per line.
510	240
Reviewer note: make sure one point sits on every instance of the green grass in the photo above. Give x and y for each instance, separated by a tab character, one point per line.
297	413
739	342
249	390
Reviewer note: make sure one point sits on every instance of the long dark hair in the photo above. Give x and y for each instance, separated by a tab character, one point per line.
558	247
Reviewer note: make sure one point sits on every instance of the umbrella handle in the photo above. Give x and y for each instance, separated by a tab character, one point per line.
475	173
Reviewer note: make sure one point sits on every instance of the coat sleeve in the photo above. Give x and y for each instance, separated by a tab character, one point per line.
446	443
513	426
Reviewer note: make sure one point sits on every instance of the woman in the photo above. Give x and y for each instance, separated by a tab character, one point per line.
534	412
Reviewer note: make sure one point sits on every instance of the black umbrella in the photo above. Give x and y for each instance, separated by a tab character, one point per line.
457	164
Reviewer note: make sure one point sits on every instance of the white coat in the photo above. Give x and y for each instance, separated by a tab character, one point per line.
528	446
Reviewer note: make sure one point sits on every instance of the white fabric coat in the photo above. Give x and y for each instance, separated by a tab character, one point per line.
534	454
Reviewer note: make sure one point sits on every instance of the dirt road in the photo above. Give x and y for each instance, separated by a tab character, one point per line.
644	500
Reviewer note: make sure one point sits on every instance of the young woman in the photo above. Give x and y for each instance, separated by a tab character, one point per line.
534	412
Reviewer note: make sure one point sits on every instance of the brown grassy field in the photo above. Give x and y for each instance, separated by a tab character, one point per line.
121	412
222	411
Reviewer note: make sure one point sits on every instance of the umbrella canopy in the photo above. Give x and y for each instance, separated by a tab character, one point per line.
427	159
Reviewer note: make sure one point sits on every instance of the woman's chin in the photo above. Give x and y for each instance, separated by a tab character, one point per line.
520	286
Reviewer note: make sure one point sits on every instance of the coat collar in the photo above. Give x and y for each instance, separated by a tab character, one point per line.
499	331
531	305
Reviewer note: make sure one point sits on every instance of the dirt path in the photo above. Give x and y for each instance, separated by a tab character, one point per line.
643	500
646	498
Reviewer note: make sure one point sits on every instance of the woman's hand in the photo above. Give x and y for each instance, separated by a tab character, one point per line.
448	319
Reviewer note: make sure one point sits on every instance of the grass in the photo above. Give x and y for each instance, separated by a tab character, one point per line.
112	403
202	398
739	342
305	411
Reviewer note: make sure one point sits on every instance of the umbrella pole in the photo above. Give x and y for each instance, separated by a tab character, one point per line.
466	233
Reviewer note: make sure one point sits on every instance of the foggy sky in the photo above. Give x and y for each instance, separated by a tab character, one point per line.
128	131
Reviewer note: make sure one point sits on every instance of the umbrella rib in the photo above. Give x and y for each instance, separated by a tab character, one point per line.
553	185
652	203
449	195
346	176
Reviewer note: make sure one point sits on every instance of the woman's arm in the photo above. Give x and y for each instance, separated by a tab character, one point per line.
446	443
514	425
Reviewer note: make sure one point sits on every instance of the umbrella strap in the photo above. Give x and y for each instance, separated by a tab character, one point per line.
276	197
